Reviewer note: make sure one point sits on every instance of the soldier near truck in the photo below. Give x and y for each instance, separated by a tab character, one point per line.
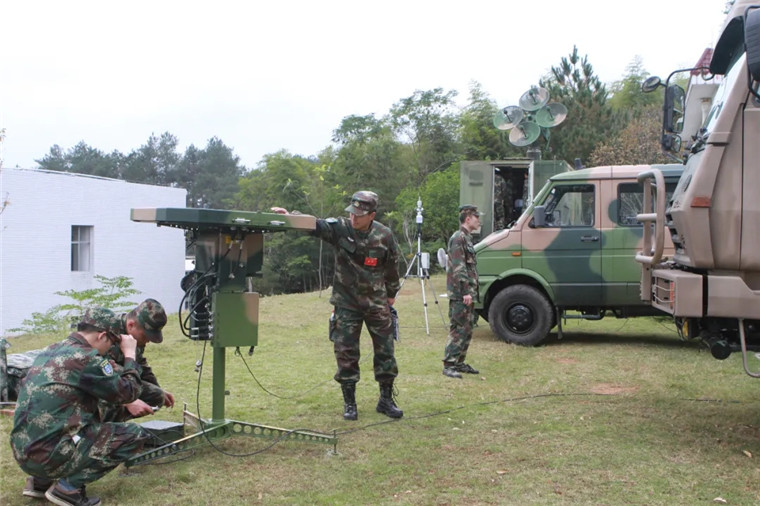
462	288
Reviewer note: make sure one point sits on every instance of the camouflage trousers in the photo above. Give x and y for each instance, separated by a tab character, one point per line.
460	332
345	332
101	447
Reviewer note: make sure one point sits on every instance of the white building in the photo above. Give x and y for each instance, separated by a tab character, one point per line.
58	230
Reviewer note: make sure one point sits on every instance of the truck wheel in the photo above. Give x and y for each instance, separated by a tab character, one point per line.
520	314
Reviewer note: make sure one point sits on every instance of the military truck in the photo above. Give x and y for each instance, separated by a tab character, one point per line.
711	283
569	255
522	176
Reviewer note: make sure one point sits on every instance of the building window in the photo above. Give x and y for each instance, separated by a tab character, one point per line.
81	248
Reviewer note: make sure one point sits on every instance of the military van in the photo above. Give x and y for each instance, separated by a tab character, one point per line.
571	254
522	178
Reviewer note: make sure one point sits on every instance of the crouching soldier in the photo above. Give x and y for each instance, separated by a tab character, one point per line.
57	436
144	323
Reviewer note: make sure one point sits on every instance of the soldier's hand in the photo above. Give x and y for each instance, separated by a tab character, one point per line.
139	408
467	299
168	399
128	346
279	210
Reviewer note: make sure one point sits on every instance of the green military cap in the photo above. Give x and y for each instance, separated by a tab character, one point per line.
152	318
362	203
469	209
102	319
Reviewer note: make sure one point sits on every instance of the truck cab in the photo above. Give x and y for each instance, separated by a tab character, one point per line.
711	282
571	251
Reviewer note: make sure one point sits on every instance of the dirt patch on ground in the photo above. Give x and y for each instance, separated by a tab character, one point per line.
612	389
567	360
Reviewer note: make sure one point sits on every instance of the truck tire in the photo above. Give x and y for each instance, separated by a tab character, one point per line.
521	314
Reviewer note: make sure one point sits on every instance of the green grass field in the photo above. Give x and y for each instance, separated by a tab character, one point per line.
618	412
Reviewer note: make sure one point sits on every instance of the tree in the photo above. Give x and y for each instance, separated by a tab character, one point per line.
479	138
638	142
154	162
82	159
370	158
627	94
210	175
591	120
429	120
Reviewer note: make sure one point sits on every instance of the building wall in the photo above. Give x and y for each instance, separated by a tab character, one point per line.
35	240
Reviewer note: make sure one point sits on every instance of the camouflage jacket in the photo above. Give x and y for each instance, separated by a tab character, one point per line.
60	395
152	393
461	275
366	263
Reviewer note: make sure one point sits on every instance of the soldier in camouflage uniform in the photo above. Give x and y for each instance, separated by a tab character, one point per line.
462	288
57	434
144	323
365	286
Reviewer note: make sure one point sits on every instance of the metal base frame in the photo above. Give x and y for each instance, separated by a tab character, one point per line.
208	432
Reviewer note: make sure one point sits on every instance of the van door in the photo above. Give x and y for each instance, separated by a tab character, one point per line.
476	188
623	235
567	250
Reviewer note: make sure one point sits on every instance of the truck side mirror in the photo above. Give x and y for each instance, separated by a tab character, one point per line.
674	109
539	216
751	36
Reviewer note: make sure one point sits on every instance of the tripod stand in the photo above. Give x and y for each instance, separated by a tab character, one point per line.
423	265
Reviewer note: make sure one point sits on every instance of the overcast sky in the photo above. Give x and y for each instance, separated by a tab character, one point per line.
269	75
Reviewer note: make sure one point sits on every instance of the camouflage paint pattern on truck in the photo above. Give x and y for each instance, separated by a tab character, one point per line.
577	255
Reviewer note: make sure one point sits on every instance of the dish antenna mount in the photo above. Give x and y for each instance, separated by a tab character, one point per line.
533	117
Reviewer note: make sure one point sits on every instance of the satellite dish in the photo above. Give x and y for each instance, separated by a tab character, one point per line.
551	115
443	259
525	133
507	118
534	99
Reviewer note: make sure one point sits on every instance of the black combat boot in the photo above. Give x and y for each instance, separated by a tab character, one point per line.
349	401
386	405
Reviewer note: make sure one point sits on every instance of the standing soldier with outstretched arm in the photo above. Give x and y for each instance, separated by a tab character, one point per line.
365	286
462	288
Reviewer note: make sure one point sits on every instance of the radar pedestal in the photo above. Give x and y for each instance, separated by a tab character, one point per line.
221	307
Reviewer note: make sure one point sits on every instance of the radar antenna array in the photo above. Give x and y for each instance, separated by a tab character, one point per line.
532	118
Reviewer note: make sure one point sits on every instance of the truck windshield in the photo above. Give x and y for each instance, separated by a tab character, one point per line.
722	93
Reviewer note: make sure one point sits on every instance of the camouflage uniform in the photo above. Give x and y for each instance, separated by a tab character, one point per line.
152	317
366	275
461	280
57	432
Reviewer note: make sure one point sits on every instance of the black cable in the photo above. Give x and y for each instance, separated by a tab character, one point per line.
298	396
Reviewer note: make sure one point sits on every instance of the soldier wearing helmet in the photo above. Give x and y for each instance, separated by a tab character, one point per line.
365	286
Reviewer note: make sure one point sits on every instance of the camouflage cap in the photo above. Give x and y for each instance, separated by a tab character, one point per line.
362	203
469	209
151	316
102	319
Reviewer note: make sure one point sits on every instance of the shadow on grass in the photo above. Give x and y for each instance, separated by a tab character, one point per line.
631	339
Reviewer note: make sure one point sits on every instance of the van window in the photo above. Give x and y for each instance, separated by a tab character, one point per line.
631	200
570	206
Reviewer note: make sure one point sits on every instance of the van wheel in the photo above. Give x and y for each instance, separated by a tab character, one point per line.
521	314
